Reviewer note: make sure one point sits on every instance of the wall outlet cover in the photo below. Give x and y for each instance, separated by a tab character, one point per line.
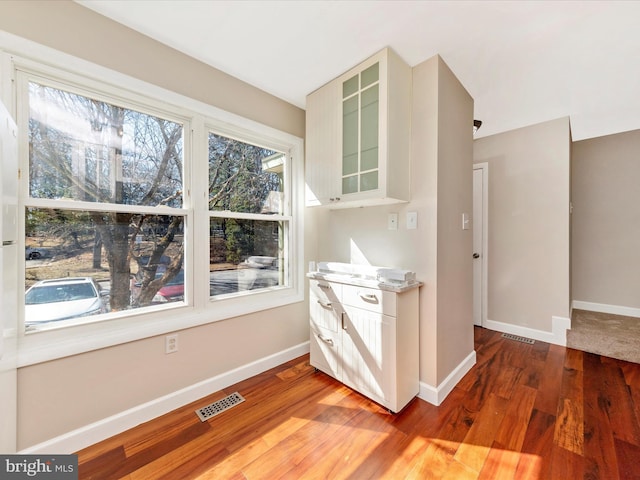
393	221
171	343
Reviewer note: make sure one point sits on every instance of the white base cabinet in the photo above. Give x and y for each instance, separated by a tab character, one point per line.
366	338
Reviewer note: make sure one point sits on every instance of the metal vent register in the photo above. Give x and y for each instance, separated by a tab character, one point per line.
518	338
219	406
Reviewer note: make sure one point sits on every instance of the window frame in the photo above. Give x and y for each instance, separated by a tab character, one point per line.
286	216
108	94
198	118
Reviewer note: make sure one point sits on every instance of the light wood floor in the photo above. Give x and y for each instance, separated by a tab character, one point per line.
523	412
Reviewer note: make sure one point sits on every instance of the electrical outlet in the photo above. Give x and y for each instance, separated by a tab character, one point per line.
171	343
392	221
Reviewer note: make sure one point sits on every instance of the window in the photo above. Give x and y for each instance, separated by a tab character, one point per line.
249	217
90	162
125	193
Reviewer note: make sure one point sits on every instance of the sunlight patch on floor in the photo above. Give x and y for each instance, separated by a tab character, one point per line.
435	457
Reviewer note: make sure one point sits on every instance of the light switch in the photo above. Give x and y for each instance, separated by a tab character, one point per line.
412	220
393	221
466	222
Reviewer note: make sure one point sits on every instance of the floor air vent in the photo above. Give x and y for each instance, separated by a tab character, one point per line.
518	339
219	406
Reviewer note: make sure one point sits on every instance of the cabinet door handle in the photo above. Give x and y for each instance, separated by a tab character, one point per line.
344	326
324	304
328	341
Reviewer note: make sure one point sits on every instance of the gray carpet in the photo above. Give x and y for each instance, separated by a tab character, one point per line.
610	335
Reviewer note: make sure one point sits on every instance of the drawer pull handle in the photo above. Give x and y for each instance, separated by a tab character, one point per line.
328	341
369	296
326	287
324	304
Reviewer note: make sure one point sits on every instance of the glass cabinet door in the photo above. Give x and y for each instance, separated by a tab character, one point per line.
360	119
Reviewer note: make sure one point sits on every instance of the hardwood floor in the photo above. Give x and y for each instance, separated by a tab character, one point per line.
523	412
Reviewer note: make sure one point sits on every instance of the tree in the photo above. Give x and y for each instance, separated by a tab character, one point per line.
239	182
89	150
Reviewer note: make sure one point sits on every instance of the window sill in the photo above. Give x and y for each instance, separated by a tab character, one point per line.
44	345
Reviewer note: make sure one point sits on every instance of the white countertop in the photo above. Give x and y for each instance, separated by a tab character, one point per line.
396	287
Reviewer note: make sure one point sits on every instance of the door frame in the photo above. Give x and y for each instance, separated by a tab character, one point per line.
484	254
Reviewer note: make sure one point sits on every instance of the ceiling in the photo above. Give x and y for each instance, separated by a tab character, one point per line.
523	62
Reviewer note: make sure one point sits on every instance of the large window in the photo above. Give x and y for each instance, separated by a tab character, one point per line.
144	211
104	204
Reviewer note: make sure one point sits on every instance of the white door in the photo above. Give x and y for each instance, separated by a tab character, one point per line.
480	197
8	288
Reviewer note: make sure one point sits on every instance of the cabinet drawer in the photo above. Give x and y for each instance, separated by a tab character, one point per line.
325	351
371	299
324	305
330	291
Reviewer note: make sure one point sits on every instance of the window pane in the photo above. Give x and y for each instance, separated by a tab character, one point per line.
350	136
369	159
245	255
350	184
370	75
369	181
350	164
84	149
129	260
350	86
245	178
369	127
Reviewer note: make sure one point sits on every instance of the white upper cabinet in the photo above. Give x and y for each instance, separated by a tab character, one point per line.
358	131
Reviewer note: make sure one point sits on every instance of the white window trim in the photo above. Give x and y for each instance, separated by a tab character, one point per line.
288	215
147	322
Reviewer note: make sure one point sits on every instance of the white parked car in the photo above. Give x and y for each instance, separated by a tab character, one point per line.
63	298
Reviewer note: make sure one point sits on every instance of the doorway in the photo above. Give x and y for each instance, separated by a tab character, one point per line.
480	240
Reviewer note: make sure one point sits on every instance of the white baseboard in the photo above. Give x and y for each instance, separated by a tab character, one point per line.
436	395
95	432
604	308
557	336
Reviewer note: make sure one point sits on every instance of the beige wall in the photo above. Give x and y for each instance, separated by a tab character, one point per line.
73	29
59	396
528	223
62	395
606	220
455	246
439	251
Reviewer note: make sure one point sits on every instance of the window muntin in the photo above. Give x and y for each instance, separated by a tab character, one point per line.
249	222
123	166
